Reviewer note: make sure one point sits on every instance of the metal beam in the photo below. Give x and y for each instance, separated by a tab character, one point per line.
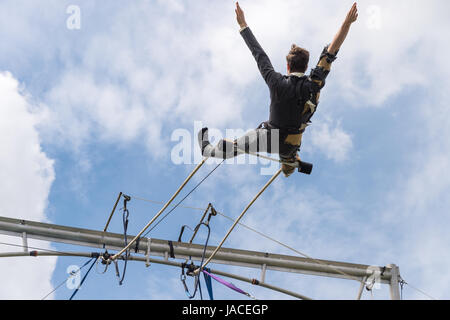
158	247
158	261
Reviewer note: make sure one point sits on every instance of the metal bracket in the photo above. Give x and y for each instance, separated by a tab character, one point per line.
25	242
361	288
263	273
147	254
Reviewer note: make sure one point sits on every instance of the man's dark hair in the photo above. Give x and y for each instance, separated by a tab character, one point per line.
297	59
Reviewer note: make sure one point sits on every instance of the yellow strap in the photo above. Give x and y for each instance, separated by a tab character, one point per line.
294	139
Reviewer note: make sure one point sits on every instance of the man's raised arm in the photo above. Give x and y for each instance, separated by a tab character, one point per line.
340	36
263	61
320	73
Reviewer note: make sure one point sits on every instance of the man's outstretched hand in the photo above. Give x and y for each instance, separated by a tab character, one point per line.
240	16
352	15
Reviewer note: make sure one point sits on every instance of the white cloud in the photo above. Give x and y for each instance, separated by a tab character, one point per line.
26	176
330	140
130	81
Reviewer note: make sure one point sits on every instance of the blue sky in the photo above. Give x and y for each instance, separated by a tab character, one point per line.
88	113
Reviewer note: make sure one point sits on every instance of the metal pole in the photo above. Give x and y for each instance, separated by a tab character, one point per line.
159	247
395	282
112	212
361	288
160	211
240	216
230	275
44	254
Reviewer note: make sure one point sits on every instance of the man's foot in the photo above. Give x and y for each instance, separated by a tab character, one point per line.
287	169
203	142
225	148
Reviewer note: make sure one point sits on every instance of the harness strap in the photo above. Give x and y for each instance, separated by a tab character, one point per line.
208	284
228	284
147	255
171	253
136	247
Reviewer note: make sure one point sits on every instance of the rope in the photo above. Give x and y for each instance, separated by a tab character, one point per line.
84	278
162	209
196	275
125	216
192	267
94	255
228	284
65	281
181	201
112	212
261	234
208	285
240	216
105	262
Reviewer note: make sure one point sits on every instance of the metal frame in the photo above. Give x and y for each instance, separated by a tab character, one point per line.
157	247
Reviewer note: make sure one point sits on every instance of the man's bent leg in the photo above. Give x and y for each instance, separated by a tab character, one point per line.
288	152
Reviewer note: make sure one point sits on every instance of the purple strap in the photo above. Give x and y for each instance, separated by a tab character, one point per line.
225	283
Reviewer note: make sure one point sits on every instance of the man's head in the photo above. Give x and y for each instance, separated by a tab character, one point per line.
297	59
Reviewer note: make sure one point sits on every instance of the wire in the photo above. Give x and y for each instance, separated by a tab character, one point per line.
187	195
419	290
59	286
29	247
160	202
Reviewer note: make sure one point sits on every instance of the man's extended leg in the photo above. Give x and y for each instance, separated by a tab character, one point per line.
253	141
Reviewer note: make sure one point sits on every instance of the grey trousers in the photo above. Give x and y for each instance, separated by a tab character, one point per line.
253	141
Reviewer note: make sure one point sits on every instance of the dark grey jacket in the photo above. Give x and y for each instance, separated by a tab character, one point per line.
293	100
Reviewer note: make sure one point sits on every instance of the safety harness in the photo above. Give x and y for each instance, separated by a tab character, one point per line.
308	95
307	92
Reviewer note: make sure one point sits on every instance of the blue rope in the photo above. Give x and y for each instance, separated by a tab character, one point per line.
84	278
208	284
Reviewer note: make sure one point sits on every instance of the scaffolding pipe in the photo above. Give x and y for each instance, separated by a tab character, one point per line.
181	250
157	261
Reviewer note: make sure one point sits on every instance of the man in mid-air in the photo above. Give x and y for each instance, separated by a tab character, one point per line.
294	99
